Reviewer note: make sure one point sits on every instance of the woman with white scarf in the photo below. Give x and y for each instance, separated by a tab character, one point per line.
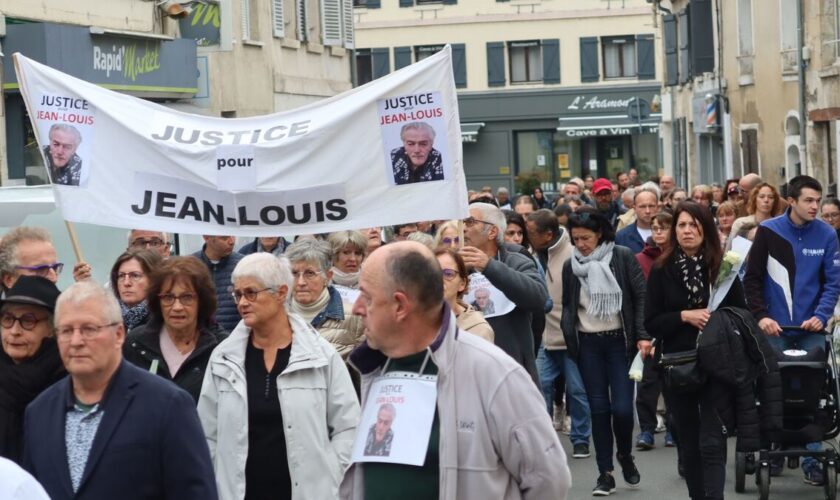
349	249
603	322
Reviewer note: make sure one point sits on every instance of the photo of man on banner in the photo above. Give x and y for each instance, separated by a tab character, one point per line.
380	436
63	161
417	160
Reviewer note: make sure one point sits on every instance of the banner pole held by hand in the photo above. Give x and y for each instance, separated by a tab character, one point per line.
74	240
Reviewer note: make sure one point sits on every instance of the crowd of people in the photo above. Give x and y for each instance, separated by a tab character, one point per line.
263	372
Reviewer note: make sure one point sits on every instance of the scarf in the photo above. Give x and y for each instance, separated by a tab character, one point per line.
134	315
350	280
694	274
309	311
597	280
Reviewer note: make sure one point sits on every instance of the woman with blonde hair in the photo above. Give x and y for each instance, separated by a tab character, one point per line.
349	249
764	203
727	212
448	235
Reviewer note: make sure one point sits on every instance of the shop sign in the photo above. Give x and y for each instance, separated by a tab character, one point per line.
129	59
610	131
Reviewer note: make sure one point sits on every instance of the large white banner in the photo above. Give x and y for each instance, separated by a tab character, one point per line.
385	153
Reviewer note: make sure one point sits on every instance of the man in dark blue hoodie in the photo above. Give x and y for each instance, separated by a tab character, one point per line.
793	279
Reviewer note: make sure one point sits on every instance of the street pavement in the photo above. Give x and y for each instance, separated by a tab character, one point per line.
660	481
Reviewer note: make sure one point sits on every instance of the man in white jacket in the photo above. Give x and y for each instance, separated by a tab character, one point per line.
491	436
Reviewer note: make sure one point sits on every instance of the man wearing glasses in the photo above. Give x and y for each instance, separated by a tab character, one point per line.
27	251
117	417
513	274
156	241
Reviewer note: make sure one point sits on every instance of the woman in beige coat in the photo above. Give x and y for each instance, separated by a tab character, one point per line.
456	281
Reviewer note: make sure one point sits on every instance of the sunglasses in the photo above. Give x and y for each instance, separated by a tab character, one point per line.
449	241
44	270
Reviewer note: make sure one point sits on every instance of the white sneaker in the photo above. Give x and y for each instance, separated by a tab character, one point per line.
660	424
566	428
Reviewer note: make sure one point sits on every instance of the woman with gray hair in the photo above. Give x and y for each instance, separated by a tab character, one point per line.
316	301
277	405
349	249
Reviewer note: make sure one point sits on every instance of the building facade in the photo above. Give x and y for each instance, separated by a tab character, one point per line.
547	90
228	58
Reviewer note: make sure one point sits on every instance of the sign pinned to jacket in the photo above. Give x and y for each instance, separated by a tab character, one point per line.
375	155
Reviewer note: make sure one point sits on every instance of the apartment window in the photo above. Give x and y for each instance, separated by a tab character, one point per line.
368	4
250	26
364	66
787	27
423	51
745	37
525	61
619	56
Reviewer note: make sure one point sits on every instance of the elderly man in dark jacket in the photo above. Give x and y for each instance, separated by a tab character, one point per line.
217	253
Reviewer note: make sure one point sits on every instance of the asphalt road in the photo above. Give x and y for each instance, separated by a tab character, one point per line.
658	468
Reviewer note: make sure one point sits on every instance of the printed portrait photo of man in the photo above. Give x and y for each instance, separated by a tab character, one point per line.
64	164
380	436
483	302
417	160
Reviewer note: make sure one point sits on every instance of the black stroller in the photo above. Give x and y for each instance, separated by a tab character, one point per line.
810	397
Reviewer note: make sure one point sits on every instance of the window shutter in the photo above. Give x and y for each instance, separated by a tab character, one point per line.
277	18
589	68
406	3
348	35
402	57
645	60
496	64
303	31
669	23
702	37
450	2
331	22
246	19
459	64
685	46
551	60
372	4
380	62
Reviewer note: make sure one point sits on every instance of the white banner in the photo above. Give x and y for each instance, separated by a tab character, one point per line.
385	153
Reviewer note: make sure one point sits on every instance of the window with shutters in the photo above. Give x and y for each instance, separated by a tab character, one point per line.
749	151
250	25
745	38
787	27
368	4
619	56
423	51
525	61
669	25
331	22
278	27
364	66
300	21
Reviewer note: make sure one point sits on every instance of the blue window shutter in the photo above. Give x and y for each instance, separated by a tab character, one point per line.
551	60
380	62
372	4
402	57
702	37
669	23
645	60
496	64
406	3
589	67
450	2
685	45
459	64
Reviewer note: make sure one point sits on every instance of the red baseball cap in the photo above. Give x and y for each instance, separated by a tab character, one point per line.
601	185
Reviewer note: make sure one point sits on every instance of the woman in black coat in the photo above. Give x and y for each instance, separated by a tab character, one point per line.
676	309
603	305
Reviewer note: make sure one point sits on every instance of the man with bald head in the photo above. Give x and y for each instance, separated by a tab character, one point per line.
746	185
480	391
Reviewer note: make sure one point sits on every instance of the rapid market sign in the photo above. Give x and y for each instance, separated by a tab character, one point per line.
385	153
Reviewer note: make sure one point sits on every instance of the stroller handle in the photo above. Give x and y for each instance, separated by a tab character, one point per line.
796	328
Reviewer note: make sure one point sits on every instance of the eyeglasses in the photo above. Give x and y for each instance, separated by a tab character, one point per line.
308	275
471	221
249	294
65	333
133	276
449	274
449	241
831	215
27	321
186	299
44	270
144	243
659	229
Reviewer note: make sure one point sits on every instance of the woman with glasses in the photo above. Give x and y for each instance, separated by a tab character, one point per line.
349	249
830	213
764	203
130	283
448	235
29	360
603	315
177	340
277	406
660	237
316	301
456	281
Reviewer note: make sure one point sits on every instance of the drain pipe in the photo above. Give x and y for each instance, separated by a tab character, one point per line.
802	166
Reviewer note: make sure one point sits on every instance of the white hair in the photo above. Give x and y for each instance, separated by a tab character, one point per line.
425	127
166	237
271	271
70	129
311	250
89	290
493	215
648	187
629	194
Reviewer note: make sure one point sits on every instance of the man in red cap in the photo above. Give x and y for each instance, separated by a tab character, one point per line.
602	192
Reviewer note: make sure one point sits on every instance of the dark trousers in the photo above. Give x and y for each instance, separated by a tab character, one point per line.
647	397
701	441
603	367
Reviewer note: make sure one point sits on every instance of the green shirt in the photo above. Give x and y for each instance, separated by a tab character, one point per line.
408	482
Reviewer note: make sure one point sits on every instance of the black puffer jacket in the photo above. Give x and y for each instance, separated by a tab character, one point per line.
732	350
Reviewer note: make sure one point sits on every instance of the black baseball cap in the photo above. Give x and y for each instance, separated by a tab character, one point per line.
32	290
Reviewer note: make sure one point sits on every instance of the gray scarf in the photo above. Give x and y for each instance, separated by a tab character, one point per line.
598	281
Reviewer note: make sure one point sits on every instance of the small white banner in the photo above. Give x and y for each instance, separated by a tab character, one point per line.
486	298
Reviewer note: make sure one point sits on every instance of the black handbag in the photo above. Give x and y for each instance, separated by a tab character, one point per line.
681	373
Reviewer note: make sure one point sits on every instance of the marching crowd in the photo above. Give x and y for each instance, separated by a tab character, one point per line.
248	374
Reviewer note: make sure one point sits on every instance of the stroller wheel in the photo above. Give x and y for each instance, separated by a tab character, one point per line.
830	472
740	471
763	480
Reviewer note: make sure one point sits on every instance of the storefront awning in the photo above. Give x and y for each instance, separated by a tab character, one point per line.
600	125
469	131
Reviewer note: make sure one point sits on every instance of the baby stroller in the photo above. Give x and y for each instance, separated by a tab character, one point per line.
810	404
